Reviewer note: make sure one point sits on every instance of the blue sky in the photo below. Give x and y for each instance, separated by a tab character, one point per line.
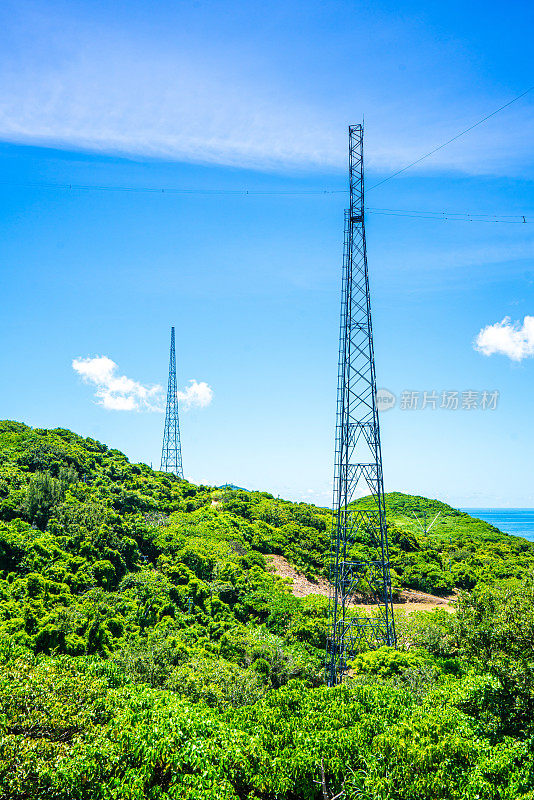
122	100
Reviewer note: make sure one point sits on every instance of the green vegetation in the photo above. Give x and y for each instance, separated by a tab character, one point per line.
148	649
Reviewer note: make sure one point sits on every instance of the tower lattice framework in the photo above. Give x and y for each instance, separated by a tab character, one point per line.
358	456
171	451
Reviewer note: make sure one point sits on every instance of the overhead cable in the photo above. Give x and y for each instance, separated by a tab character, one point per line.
449	141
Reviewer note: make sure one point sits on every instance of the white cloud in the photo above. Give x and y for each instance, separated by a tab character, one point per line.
117	392
120	403
196	394
508	338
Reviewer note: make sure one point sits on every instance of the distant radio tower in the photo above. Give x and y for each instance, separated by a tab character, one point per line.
171	452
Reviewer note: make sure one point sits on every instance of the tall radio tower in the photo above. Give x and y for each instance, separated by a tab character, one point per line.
171	452
358	456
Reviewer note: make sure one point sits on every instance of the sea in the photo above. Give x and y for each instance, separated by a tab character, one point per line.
517	521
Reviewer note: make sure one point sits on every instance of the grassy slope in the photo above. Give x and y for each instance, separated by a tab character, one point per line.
458	552
450	522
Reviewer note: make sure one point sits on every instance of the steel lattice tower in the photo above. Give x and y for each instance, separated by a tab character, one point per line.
171	452
358	457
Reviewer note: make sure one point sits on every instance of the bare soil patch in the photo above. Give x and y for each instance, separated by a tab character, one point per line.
301	586
407	601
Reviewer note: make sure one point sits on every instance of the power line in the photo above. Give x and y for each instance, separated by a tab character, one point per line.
172	190
518	219
447	216
449	141
448	213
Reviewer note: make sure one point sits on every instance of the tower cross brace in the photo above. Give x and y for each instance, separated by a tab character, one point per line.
171	451
358	456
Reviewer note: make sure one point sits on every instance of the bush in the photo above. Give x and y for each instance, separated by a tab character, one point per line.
218	682
386	662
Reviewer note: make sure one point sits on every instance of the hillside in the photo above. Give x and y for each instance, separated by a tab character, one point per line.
459	551
149	649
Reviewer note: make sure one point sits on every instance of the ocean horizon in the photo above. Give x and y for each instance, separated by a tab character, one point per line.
517	521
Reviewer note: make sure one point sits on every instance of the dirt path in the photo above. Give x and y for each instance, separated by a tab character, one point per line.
408	600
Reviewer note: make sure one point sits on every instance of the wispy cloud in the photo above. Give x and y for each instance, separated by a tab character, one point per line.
508	338
72	84
119	393
172	111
